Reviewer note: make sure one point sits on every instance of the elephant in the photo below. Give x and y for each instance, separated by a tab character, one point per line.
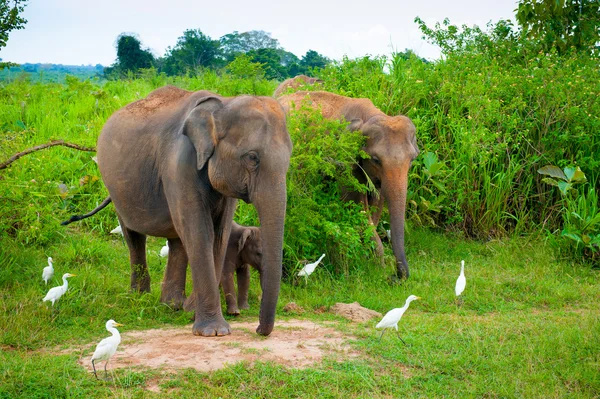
243	250
391	145
175	163
296	82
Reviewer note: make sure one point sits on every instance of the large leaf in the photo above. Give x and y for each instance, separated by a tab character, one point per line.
554	171
429	159
574	174
572	236
564	187
550	181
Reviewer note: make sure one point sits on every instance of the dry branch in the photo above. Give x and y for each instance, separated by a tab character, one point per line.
18	155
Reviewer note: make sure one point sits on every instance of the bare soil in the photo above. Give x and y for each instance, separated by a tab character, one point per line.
293	343
354	311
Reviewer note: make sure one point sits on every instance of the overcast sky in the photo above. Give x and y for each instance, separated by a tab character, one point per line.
79	32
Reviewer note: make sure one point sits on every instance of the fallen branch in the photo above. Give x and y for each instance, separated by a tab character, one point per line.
18	155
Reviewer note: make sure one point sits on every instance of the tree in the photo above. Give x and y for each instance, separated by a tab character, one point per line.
10	19
562	24
237	43
193	50
271	62
312	59
130	55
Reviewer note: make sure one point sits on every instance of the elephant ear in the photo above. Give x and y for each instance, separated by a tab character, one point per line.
355	124
201	129
242	242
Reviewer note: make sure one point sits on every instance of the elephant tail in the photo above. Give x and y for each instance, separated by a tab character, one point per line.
76	218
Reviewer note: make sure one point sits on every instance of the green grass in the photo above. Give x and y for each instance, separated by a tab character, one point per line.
528	326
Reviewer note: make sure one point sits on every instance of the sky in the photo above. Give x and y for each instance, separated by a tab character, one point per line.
83	32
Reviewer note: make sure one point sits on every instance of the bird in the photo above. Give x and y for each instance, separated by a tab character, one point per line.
56	292
461	282
164	251
117	230
308	269
48	272
107	347
392	317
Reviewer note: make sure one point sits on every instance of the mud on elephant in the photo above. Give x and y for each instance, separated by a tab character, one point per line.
175	164
300	81
391	145
243	251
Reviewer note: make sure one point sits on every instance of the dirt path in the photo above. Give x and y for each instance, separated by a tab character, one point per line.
293	343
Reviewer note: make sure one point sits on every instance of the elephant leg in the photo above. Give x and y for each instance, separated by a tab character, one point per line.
243	285
229	292
173	285
140	277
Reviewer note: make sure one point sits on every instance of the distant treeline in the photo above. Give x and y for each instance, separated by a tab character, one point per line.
253	54
50	72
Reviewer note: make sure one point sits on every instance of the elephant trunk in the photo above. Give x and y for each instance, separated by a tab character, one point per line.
394	185
270	204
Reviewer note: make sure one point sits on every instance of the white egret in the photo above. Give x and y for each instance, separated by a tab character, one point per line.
117	230
392	317
308	269
107	347
56	292
164	251
48	271
461	282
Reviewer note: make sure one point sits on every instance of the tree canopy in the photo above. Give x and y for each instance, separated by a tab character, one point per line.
10	18
561	24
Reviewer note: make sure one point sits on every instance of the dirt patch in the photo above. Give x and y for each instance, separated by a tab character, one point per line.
355	312
293	343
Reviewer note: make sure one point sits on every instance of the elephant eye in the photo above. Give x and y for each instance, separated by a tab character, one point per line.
376	160
252	158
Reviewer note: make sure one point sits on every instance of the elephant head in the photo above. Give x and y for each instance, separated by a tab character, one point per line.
250	248
248	161
391	145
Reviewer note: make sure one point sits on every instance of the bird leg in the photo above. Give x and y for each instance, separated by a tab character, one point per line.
398	333
94	367
105	372
382	332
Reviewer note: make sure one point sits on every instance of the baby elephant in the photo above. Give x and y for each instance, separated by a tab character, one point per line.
244	249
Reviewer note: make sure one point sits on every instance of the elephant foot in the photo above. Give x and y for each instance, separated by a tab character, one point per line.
141	287
244	305
173	298
264	329
233	311
211	328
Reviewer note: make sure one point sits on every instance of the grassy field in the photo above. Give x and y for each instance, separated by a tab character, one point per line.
529	325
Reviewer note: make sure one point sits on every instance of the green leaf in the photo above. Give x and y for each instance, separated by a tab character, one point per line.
428	160
554	171
575	174
550	181
572	236
564	187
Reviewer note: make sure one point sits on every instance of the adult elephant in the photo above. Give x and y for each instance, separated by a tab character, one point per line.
175	164
391	145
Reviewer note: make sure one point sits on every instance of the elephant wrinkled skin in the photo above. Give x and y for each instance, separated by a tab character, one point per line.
391	144
175	164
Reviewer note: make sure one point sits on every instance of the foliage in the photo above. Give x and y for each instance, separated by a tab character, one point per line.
235	43
130	56
493	111
193	51
244	67
561	24
321	167
580	210
10	18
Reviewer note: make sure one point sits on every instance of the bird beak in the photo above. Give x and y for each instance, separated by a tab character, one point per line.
119	325
418	297
73	275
